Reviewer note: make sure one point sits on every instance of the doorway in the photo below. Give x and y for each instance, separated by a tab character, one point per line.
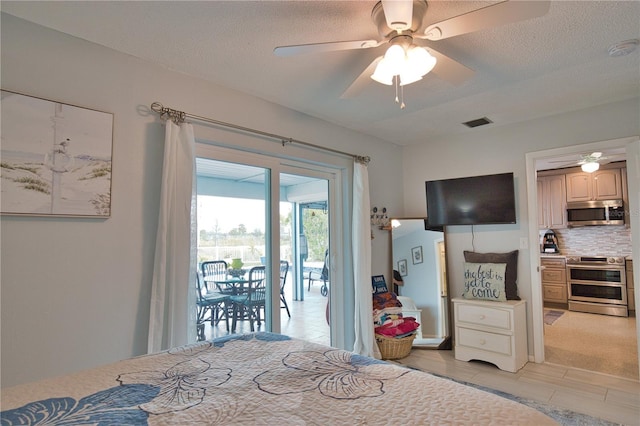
548	349
247	213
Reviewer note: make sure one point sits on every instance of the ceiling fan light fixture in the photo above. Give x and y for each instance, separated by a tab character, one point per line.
590	167
410	66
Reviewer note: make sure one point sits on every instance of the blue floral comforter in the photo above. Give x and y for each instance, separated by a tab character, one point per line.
257	378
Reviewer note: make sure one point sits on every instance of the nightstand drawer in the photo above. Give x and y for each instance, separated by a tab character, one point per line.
491	342
484	316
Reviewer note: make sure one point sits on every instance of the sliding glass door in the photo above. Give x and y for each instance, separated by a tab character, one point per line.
253	212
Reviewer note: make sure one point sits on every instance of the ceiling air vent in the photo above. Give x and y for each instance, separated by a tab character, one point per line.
478	122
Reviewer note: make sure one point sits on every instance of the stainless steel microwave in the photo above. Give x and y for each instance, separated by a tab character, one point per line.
604	212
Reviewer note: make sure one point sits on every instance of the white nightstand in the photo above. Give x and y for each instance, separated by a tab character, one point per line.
495	332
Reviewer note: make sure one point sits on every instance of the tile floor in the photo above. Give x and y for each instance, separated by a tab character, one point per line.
599	395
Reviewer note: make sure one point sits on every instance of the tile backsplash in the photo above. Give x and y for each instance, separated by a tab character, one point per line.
595	241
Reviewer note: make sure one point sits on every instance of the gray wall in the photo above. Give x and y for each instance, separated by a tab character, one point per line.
75	292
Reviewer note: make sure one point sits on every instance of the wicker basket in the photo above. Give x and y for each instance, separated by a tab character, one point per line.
394	348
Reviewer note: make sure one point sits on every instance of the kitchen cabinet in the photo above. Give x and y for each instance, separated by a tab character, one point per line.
552	202
494	332
631	302
554	281
603	184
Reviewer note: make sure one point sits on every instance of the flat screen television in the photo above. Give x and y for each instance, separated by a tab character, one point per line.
488	199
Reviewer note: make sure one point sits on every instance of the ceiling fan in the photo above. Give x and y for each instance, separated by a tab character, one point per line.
400	25
591	162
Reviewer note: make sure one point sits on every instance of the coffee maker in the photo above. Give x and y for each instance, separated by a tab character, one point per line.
549	242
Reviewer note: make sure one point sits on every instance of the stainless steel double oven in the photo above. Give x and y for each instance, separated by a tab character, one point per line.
597	285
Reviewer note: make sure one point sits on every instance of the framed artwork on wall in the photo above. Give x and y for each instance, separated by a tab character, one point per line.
416	255
56	158
402	267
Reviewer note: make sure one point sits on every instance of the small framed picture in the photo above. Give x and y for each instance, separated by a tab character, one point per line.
402	267
416	255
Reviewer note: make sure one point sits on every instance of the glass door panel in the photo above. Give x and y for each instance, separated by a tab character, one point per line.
232	217
306	289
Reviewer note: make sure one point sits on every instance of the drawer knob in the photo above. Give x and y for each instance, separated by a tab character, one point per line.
481	317
482	341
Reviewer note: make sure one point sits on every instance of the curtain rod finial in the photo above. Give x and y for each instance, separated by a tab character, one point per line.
362	159
157	107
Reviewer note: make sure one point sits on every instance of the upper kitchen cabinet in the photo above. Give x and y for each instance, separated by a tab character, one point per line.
603	184
552	202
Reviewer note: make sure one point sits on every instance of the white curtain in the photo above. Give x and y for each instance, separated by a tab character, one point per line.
172	313
365	343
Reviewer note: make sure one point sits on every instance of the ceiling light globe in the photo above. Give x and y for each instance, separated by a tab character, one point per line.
408	76
396	58
420	61
383	73
590	167
395	53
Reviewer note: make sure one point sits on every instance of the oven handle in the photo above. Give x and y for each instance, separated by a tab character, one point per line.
607	266
597	283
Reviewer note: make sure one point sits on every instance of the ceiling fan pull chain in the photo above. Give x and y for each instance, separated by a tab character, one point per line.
395	79
399	100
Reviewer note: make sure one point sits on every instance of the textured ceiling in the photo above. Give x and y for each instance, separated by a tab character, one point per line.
531	69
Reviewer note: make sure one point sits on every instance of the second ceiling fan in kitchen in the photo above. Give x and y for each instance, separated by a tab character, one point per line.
592	161
409	55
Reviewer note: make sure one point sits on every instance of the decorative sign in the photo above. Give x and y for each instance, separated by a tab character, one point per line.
484	281
56	158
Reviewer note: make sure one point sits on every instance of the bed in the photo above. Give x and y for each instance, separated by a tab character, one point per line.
256	378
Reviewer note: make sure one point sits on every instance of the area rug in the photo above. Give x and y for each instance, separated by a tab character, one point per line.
560	415
552	316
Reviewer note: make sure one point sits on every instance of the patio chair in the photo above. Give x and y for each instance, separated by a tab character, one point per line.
212	302
284	268
249	303
212	269
321	276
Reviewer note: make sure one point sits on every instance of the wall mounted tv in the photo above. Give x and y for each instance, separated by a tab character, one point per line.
488	199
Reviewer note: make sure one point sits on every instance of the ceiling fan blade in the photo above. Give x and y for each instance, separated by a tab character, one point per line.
325	47
398	13
487	17
450	70
361	82
612	158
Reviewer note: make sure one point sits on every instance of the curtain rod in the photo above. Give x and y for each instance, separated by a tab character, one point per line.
181	116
